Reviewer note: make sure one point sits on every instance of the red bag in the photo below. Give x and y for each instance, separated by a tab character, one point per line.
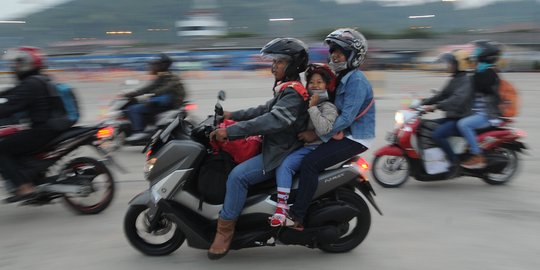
240	149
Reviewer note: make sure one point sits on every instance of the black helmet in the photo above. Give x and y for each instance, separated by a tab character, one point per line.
486	51
163	62
351	42
293	49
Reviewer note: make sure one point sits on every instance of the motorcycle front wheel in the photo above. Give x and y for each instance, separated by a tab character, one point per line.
391	171
356	230
100	189
163	240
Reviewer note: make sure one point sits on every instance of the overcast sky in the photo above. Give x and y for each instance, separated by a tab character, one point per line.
14	8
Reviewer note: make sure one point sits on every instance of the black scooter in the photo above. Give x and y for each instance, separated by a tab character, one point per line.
160	219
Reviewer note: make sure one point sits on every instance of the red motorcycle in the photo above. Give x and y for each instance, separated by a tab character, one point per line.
411	152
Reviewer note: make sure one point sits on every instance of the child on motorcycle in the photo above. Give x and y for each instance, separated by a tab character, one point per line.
321	82
455	99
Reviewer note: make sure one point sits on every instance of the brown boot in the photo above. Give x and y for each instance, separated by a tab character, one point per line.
475	162
223	239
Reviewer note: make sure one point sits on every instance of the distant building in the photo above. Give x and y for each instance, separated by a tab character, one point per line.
202	21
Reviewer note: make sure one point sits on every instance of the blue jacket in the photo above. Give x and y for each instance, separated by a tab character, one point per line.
353	95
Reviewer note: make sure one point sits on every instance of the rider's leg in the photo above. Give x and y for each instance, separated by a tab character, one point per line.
467	127
441	134
284	175
24	142
136	116
325	155
245	174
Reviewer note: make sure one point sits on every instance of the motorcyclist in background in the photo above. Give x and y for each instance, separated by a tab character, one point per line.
168	93
455	99
486	111
31	97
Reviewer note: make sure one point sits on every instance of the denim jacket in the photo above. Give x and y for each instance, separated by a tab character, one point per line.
353	95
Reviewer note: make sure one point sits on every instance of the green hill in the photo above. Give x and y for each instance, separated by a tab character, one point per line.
91	19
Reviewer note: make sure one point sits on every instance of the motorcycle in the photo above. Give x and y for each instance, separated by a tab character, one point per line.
411	152
160	219
116	116
83	182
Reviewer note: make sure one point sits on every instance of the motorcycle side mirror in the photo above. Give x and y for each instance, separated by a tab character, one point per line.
221	95
218	109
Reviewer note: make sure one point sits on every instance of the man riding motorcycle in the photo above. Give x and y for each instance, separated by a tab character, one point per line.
455	99
279	121
168	93
31	97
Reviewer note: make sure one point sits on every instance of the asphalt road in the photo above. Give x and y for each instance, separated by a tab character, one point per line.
458	224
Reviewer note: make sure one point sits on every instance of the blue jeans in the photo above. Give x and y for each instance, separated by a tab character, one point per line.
291	164
139	113
324	156
468	125
136	115
244	175
448	127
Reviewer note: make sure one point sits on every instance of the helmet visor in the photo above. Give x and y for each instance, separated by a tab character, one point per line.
275	56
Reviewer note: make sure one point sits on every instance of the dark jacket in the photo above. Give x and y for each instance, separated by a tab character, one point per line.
486	83
165	83
29	96
279	121
455	98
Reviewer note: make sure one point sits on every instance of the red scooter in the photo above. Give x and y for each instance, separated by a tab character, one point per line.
411	152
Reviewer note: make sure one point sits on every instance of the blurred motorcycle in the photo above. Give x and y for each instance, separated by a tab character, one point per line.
172	210
116	117
411	152
83	182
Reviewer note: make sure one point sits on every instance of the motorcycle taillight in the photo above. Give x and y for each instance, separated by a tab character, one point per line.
105	133
363	165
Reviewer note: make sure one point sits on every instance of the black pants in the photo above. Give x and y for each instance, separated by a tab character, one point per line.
17	145
324	156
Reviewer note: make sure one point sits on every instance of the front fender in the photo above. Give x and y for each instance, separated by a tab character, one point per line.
389	150
141	199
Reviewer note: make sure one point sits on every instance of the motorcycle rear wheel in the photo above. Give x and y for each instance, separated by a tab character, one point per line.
102	186
358	227
385	169
147	242
507	172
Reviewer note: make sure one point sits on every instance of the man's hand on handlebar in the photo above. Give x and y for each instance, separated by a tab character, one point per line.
226	115
219	135
429	108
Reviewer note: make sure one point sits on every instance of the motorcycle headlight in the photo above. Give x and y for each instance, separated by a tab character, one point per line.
149	166
400	118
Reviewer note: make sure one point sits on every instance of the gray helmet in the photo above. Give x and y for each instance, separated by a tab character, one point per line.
353	43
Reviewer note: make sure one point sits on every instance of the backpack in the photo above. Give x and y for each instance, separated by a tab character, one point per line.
213	175
509	99
65	112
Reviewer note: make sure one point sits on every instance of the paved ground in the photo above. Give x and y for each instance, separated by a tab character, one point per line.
460	224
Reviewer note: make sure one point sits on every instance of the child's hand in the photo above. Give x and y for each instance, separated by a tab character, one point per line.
338	136
314	100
